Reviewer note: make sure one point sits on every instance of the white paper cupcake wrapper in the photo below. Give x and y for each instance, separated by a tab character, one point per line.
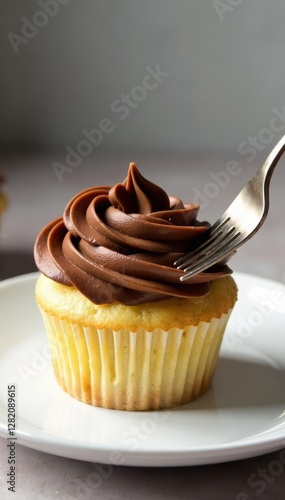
134	370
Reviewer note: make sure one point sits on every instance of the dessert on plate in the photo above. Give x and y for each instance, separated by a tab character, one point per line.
125	332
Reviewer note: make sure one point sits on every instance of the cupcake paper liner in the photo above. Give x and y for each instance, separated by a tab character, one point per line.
140	370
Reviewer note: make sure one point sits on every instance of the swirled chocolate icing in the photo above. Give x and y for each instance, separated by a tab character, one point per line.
119	244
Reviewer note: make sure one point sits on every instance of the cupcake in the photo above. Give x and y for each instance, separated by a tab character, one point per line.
125	332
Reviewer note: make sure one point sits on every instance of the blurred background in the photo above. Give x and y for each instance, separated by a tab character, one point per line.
193	92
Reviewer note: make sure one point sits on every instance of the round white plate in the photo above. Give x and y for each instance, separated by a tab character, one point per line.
241	415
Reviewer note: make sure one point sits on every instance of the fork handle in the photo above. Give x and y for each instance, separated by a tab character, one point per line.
266	170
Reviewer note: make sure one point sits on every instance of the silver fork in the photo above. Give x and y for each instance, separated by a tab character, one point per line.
239	223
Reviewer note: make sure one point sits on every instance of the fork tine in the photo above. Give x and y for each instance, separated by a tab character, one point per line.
230	242
219	242
191	258
216	227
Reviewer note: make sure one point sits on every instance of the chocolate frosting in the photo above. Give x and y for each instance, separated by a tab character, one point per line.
119	244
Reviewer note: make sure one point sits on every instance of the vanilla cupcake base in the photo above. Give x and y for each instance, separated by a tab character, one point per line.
142	357
143	370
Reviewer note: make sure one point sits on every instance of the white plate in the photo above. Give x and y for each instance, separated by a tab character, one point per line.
242	414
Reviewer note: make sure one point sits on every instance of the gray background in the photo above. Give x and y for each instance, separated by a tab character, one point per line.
226	73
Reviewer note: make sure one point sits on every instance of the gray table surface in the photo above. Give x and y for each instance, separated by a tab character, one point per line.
36	195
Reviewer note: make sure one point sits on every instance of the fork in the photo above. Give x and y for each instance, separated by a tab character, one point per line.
239	223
